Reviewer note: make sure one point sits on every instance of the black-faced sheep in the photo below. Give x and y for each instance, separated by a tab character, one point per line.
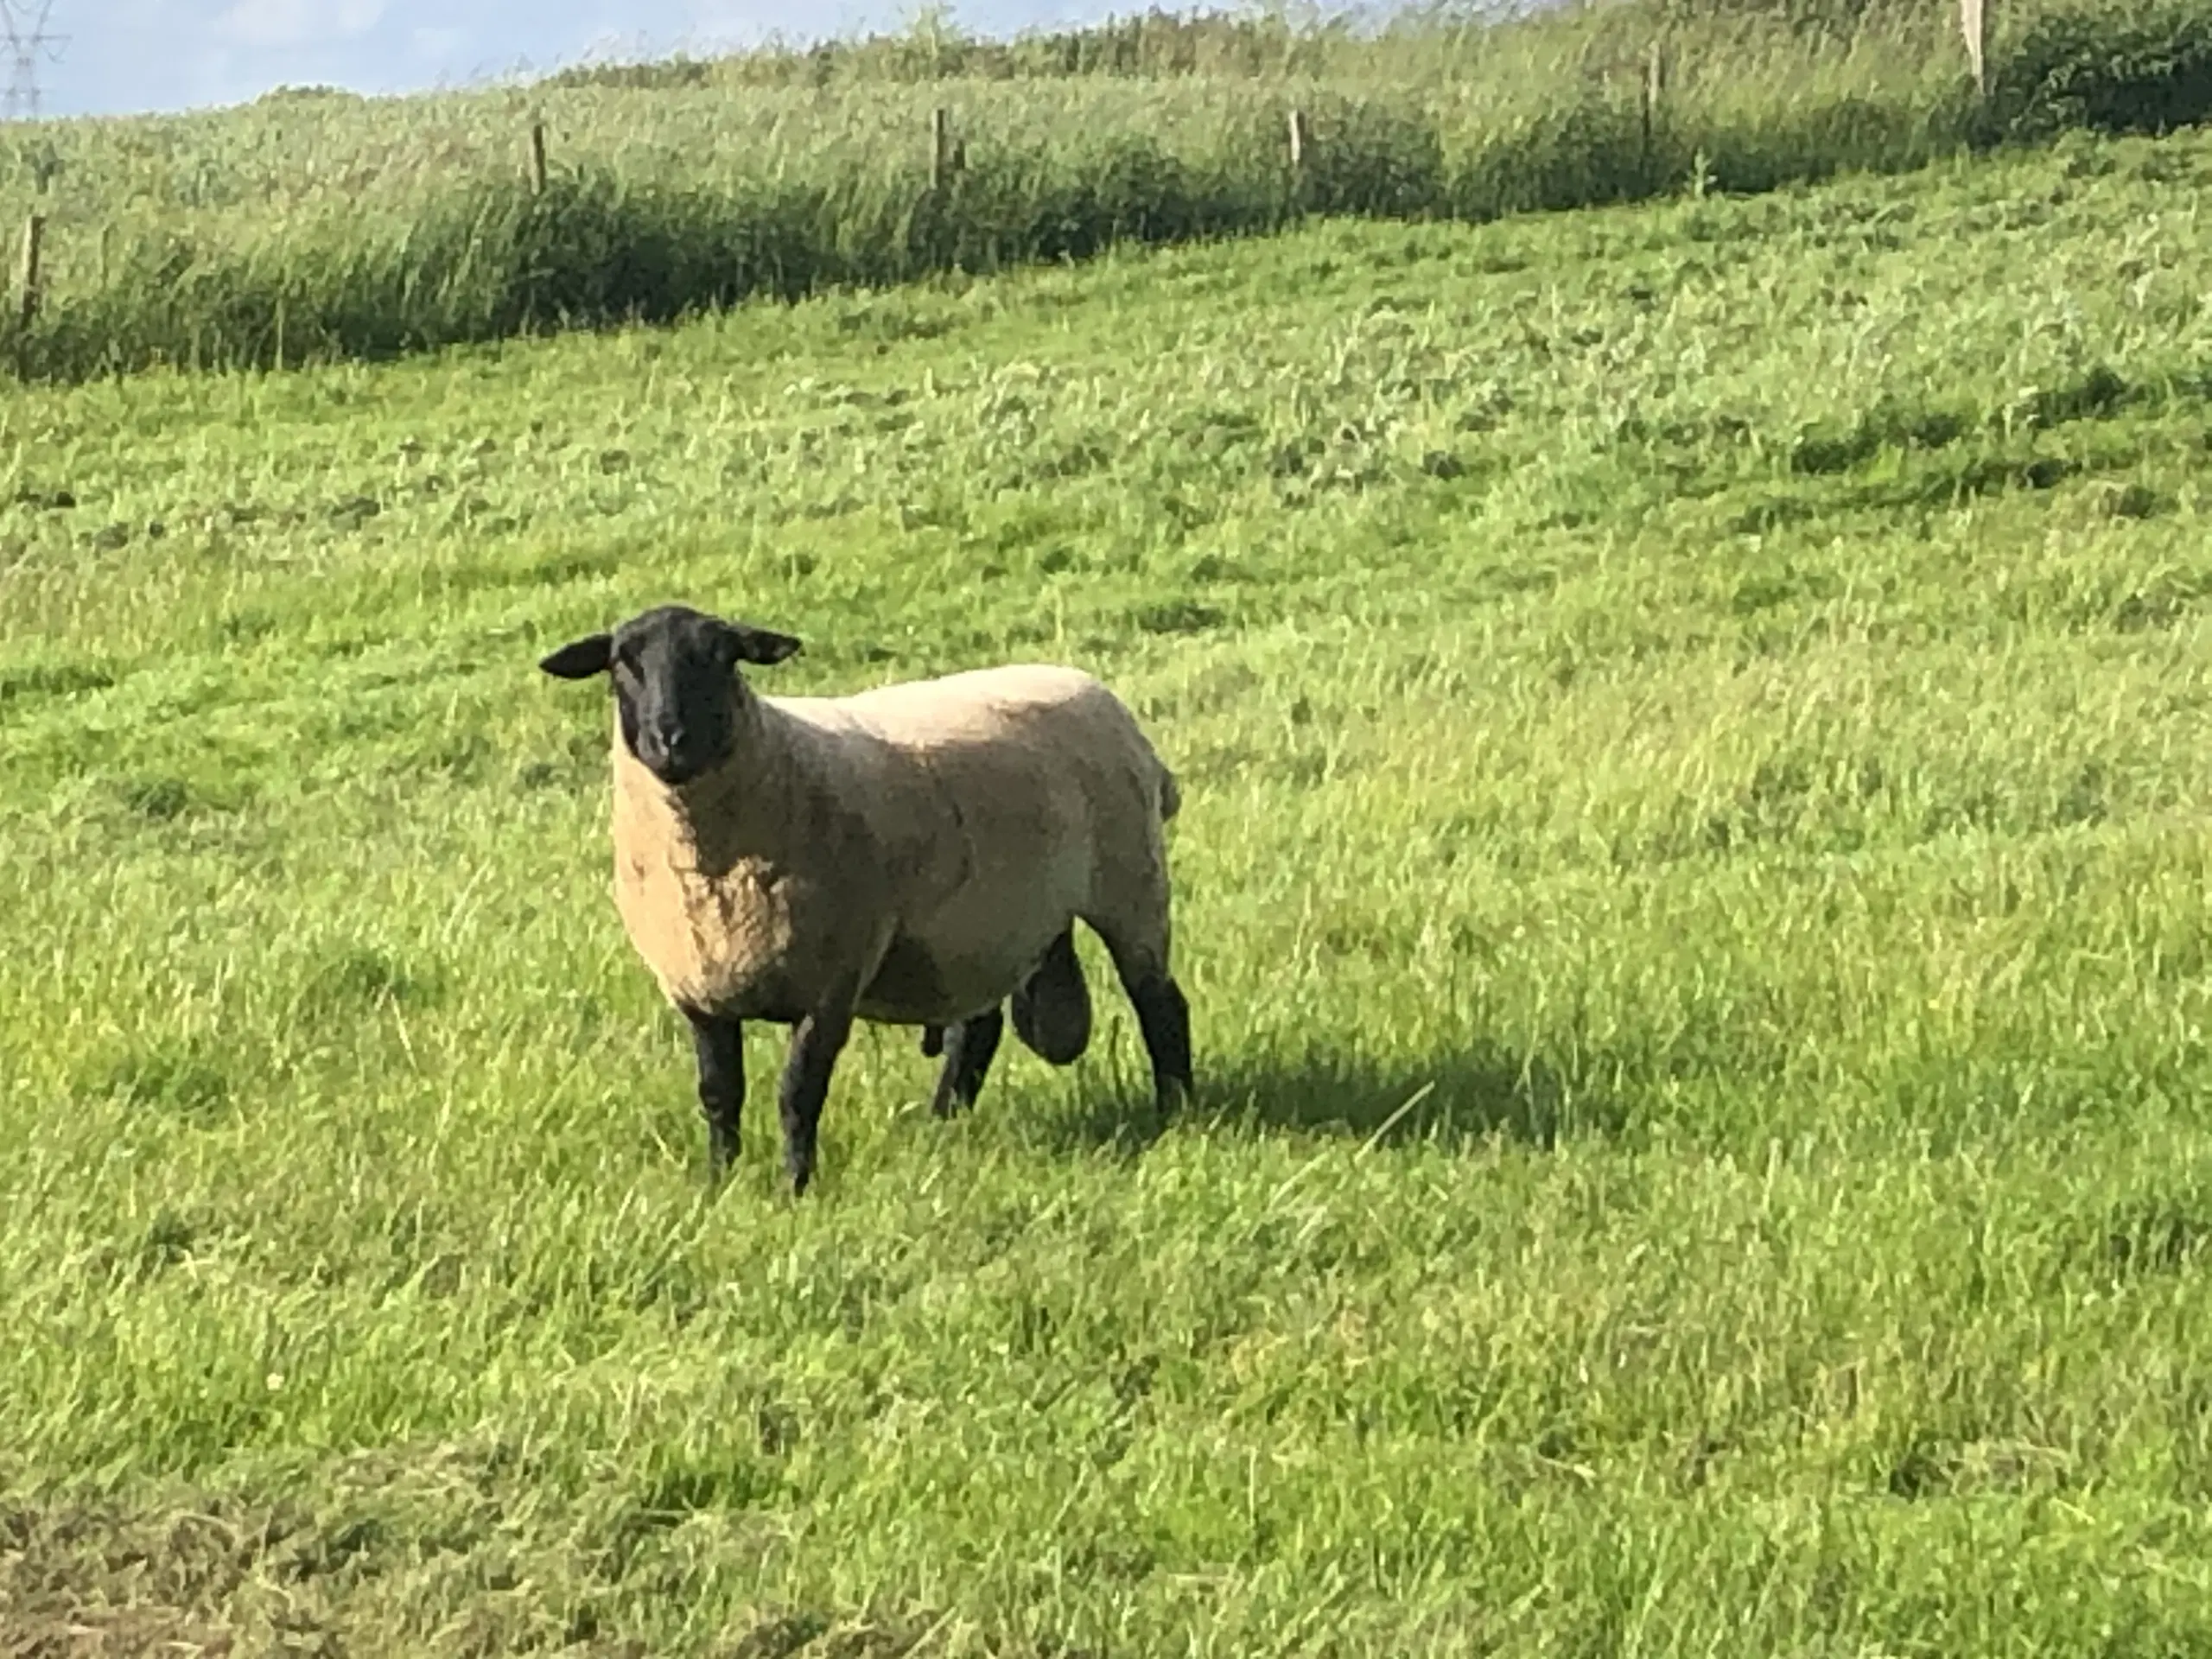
914	854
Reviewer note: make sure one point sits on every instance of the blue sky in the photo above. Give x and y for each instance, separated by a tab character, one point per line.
129	55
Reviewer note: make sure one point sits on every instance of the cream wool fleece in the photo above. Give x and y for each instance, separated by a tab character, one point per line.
915	848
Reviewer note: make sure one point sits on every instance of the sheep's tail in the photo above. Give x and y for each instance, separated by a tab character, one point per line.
1171	795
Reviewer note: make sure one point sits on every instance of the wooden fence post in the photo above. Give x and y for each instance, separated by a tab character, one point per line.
537	158
1974	23
941	156
26	274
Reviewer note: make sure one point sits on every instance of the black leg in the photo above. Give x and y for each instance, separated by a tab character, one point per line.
969	1047
817	1041
720	1044
932	1040
1164	1017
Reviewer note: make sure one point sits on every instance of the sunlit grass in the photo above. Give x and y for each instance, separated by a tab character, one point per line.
1693	886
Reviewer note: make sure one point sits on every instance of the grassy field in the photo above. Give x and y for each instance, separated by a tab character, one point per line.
1694	886
314	225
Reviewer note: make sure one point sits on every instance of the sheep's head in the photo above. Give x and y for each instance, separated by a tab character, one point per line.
676	688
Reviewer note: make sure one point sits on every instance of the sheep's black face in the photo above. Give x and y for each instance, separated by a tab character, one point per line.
676	683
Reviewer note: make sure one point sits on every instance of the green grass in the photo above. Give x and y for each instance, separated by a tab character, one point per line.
314	226
1694	886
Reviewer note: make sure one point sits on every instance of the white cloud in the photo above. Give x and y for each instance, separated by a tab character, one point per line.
297	23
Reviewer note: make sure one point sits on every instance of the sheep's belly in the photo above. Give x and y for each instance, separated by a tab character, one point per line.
918	985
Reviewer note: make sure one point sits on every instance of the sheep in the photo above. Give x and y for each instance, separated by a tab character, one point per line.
914	854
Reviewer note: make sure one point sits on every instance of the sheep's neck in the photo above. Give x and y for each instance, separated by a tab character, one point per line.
733	815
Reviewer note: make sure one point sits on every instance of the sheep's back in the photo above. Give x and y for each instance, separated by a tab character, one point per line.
1056	791
1048	748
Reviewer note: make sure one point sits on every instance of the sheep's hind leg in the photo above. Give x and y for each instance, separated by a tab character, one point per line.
720	1046
1163	1017
816	1040
968	1048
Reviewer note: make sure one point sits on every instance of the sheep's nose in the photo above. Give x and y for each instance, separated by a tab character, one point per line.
675	747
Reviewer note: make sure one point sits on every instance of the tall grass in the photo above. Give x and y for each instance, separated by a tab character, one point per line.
316	226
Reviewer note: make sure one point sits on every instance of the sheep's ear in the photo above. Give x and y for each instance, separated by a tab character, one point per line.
751	644
581	658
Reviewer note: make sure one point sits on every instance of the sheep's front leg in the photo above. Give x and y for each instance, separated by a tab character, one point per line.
816	1040
720	1044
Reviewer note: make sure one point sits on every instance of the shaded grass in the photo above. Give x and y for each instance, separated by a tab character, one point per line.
1692	885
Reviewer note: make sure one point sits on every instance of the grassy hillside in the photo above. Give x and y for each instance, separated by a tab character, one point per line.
316	226
1695	887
